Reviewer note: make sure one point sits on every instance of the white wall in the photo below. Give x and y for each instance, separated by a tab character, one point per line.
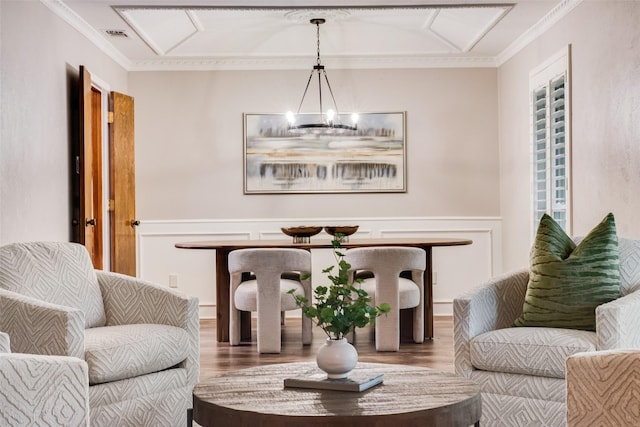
606	123
189	142
38	74
189	156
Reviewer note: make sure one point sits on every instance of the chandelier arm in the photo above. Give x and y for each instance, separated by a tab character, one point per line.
305	91
335	104
320	95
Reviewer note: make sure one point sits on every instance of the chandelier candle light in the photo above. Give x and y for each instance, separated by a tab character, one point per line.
330	123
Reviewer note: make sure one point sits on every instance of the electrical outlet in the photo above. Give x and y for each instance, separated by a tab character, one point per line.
173	280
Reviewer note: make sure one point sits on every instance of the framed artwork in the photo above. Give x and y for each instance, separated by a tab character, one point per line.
371	160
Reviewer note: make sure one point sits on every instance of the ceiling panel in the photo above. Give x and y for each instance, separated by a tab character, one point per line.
164	34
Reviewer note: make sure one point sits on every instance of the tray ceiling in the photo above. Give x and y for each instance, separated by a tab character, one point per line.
144	35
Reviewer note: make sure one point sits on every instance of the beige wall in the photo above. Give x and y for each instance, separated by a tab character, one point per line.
606	123
39	61
189	131
189	142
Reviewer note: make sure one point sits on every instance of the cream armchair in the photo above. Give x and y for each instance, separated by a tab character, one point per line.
140	340
521	371
40	390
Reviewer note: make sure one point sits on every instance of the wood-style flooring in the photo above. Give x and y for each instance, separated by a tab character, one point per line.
218	357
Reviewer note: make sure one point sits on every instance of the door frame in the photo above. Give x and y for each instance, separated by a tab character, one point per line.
103	87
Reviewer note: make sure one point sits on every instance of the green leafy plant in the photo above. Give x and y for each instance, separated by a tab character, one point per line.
339	307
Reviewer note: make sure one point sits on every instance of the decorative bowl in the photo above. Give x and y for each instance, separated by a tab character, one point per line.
302	233
345	230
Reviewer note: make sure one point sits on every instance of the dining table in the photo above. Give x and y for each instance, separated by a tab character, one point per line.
224	247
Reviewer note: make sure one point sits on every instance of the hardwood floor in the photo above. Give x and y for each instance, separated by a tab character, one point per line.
220	357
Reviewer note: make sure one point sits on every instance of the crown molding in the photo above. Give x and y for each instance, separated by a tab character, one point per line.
299	63
561	10
76	21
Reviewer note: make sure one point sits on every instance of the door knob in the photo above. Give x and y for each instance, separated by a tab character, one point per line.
90	221
135	222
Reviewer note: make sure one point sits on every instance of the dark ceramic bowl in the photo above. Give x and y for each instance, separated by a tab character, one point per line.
345	230
301	231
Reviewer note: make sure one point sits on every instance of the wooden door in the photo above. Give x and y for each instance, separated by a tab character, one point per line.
95	244
122	185
85	224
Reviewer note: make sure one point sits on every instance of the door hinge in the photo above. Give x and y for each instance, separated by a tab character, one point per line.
112	204
110	117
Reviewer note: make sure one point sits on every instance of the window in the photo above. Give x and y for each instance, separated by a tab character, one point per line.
550	141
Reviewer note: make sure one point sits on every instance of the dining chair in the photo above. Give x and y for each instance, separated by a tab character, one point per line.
386	285
267	293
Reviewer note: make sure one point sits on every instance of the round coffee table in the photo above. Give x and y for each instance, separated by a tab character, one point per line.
409	396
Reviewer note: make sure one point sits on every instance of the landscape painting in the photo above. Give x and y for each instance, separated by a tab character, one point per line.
372	159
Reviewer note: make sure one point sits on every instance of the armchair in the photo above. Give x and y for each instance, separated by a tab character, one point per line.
521	371
140	341
32	388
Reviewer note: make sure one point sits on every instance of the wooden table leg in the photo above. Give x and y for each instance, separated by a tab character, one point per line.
406	316
406	325
223	299
245	317
222	295
428	295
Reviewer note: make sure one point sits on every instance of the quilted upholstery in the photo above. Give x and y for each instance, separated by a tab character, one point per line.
386	264
515	398
126	351
265	293
145	328
37	269
603	388
530	351
40	390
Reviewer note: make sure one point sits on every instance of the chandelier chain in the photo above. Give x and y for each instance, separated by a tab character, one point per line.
318	42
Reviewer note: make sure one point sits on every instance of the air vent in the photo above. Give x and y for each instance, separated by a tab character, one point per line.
117	33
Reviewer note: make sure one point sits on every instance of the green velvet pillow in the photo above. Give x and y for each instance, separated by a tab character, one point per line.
567	282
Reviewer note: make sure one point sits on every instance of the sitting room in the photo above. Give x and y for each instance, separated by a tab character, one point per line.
466	224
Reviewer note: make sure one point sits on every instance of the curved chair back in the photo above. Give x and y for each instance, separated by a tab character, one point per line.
269	260
56	272
265	294
629	265
390	259
386	264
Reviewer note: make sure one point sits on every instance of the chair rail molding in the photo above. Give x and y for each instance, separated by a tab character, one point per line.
193	271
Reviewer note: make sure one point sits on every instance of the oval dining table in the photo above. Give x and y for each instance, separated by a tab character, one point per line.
224	247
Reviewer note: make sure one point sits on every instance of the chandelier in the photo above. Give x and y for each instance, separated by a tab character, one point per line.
330	122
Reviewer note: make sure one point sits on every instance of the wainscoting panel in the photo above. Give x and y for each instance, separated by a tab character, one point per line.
456	269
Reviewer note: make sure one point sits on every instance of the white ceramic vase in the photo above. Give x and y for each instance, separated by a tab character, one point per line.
337	358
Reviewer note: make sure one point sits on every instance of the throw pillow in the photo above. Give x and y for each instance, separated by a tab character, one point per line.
567	282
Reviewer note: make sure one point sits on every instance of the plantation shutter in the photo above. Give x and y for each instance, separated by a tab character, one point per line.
550	144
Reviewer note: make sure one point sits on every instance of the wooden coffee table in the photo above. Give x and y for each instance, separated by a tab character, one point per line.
409	396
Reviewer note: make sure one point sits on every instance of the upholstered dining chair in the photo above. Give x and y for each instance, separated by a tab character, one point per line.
40	390
139	340
386	264
267	293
